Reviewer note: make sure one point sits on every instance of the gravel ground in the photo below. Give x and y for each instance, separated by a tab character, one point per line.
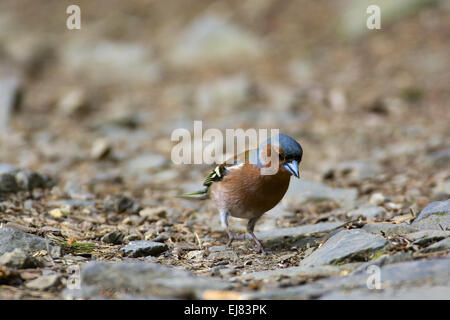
88	205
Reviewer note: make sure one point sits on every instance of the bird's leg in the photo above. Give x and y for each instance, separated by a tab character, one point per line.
224	217
250	228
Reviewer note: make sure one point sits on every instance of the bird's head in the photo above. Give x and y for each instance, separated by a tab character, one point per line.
289	152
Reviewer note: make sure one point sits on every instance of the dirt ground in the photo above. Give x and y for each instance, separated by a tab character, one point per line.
98	106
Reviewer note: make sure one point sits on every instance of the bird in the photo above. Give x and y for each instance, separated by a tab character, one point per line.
238	187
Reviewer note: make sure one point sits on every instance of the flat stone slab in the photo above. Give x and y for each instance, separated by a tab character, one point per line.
434	208
439	246
143	248
390	229
141	279
425	236
415	293
435	272
299	271
297	232
343	245
11	238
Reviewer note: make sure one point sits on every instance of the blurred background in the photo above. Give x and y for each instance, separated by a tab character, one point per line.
96	107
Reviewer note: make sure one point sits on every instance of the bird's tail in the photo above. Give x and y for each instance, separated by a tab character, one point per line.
196	195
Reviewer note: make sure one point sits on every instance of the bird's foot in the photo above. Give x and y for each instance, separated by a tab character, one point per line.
260	249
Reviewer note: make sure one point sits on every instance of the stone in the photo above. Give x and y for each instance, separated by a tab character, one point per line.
433	272
439	246
296	233
8	183
426	236
385	259
44	282
368	211
434	221
100	148
120	203
11	238
212	39
143	279
73	102
143	248
298	271
115	237
389	229
346	244
436	208
302	191
18	259
377	199
414	293
29	180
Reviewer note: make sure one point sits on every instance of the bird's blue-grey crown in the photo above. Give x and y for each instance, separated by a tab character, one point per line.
291	148
292	151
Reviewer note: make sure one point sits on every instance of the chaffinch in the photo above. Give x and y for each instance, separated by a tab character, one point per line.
239	189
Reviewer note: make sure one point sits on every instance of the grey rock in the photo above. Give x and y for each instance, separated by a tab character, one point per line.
345	244
389	229
212	39
385	260
143	248
437	208
299	271
302	191
11	239
426	236
434	221
120	203
414	293
8	183
143	279
115	237
225	255
296	233
28	180
18	259
435	272
44	282
439	246
10	90
369	212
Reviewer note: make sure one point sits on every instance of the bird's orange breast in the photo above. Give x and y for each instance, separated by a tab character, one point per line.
245	193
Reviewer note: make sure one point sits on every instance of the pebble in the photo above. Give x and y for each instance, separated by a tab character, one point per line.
143	248
346	244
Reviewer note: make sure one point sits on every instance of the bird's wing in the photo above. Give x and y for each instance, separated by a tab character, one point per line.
217	175
221	170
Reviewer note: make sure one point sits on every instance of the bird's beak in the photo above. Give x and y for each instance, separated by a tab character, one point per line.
292	167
